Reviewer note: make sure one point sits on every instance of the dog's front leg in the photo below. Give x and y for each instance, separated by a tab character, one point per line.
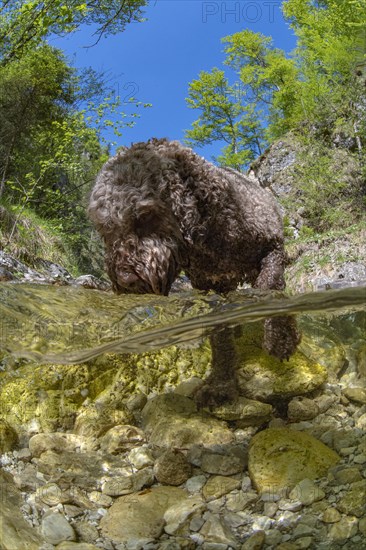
222	384
281	335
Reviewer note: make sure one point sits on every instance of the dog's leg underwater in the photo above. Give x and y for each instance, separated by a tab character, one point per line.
221	385
281	335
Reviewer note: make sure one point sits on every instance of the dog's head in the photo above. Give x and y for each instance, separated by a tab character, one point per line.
147	265
131	205
143	250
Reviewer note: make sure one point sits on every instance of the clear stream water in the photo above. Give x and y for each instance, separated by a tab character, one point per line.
50	324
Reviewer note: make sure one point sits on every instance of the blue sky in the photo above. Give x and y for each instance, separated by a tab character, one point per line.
155	60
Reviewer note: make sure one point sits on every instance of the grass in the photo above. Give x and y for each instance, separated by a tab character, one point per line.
324	252
28	237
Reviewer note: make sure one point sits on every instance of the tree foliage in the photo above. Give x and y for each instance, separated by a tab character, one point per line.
224	117
320	87
269	78
24	24
238	113
330	55
51	118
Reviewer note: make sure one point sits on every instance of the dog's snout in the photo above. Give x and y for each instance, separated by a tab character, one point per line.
127	278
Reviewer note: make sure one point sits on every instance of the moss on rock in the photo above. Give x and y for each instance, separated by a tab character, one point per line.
280	457
52	396
266	378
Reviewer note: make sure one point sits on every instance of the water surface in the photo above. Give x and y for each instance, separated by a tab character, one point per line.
69	324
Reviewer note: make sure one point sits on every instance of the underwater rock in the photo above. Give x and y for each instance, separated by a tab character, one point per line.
172	420
140	457
142	513
331	515
189	387
84	469
266	378
172	468
68	545
356	394
15	530
354	501
306	492
55	528
245	412
44	398
255	541
228	461
217	486
178	515
302	408
216	531
121	438
279	458
59	442
95	419
343	530
124	485
92	398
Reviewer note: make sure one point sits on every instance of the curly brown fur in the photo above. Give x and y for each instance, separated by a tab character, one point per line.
161	208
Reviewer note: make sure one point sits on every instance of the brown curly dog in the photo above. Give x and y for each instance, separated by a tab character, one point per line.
161	208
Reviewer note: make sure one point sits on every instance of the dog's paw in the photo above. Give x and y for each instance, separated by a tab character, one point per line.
216	392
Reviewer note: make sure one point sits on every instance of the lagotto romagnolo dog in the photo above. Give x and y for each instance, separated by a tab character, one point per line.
161	208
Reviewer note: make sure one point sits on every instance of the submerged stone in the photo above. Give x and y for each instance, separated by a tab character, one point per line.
172	468
266	378
97	393
15	530
216	531
245	412
343	529
172	420
55	528
217	486
140	515
178	515
306	492
227	462
354	501
279	458
121	438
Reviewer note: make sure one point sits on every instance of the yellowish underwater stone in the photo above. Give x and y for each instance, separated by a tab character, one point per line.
280	457
266	378
50	397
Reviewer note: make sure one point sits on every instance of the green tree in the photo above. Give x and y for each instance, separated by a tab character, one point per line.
268	77
320	87
50	145
330	51
224	117
259	104
25	23
35	92
48	116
